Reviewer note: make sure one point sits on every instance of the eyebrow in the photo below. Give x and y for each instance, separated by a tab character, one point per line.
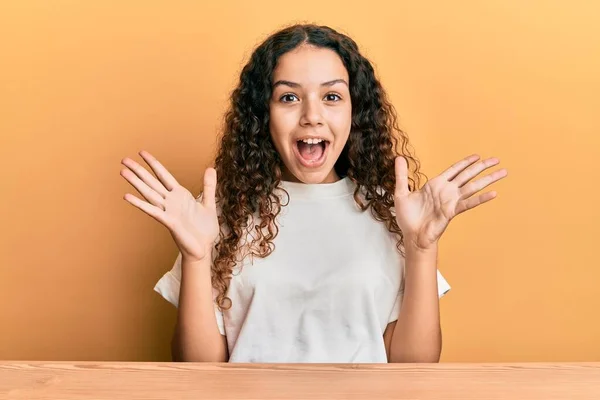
297	85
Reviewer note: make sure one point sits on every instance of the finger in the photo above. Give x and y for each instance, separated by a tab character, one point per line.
161	172
455	169
145	176
473	202
471	188
148	208
474	170
401	170
210	186
145	190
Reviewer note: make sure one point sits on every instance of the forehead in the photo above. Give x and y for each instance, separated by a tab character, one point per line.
309	64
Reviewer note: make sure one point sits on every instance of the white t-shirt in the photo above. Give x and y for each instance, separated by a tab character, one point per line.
325	294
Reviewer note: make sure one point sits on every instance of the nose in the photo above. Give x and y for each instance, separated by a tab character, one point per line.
311	113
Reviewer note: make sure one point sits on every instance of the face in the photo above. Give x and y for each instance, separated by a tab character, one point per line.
310	113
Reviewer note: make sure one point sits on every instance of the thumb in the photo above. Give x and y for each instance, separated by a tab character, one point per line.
210	186
401	169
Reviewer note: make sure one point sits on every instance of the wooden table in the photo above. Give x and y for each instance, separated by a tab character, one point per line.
129	380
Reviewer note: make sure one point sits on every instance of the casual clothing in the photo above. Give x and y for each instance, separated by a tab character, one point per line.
325	294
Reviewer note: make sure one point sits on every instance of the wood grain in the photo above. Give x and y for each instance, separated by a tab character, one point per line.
123	380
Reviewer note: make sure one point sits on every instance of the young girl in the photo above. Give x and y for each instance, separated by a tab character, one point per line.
312	241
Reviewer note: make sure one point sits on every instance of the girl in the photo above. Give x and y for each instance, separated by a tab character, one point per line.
313	240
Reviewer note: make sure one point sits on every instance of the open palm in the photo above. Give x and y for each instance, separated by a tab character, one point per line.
193	224
423	215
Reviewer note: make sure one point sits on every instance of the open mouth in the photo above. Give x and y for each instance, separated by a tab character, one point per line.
311	152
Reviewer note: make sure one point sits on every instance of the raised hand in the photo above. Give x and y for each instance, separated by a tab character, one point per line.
424	214
193	224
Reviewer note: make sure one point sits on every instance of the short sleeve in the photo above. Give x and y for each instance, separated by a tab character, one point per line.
168	287
443	288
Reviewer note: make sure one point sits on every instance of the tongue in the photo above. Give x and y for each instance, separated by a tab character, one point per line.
311	151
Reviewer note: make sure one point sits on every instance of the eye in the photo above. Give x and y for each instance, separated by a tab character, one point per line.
332	97
287	98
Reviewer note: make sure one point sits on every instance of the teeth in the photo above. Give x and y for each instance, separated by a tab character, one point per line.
312	141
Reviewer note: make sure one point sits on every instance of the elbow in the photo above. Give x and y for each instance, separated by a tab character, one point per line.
417	351
178	354
416	358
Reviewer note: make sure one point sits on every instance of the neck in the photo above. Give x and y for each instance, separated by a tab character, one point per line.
330	178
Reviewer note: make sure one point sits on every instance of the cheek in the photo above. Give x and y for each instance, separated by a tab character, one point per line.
340	121
281	124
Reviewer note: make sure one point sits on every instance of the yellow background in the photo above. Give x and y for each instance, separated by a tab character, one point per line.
84	84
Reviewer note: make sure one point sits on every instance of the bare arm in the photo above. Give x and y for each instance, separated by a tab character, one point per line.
197	337
417	336
423	216
194	225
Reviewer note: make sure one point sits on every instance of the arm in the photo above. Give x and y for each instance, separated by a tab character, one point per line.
197	337
193	223
417	336
423	215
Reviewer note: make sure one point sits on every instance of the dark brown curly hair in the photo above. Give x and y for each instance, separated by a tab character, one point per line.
249	168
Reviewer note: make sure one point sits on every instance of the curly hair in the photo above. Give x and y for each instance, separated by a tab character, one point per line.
249	168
